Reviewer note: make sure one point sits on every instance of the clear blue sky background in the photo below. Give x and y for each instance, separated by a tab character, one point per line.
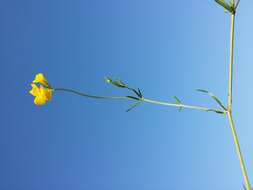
164	47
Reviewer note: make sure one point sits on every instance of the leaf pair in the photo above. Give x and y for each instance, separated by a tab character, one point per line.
215	99
178	102
139	98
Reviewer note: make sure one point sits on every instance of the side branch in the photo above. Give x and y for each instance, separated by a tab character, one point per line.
136	99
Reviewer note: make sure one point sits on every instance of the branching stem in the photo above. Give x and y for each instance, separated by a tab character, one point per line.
142	100
229	112
182	106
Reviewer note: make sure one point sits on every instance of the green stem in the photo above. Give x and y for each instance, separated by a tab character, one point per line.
238	151
88	95
182	106
141	100
229	112
231	60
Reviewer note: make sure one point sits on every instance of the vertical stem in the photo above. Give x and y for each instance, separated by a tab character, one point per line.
231	60
229	112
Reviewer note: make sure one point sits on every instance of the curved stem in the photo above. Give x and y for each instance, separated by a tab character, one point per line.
88	95
141	100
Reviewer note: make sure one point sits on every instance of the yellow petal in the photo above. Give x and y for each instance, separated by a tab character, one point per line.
35	90
47	93
39	100
39	78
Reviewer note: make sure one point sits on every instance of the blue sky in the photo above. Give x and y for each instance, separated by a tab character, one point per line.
164	47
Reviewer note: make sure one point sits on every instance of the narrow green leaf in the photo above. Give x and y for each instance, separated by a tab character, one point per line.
201	90
134	106
178	102
214	97
136	92
134	98
216	111
140	93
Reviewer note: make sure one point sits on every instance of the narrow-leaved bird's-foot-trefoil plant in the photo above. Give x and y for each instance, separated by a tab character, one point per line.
43	92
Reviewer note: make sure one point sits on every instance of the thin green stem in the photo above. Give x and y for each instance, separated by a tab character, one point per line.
88	95
231	60
238	151
182	106
229	112
141	100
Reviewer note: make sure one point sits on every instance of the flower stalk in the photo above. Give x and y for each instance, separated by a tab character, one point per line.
220	111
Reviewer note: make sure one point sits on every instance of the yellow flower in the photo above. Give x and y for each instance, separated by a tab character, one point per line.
41	94
39	78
